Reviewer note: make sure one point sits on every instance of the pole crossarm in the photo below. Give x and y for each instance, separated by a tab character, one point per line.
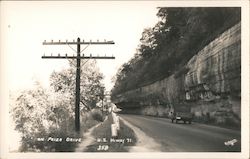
75	57
81	43
78	58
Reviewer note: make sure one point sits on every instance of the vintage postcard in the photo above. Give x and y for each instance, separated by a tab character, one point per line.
124	79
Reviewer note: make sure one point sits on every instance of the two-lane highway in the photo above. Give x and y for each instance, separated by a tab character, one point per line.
186	137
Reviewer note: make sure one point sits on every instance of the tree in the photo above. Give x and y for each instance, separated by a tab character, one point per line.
29	112
43	113
90	84
166	47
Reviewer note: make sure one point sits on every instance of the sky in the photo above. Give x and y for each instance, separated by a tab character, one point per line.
27	24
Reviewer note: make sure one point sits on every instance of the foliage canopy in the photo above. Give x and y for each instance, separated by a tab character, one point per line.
165	48
43	113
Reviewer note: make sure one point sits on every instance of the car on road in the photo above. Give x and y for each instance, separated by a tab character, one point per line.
182	116
181	113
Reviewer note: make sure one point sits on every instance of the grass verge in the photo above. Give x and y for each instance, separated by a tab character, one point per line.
105	143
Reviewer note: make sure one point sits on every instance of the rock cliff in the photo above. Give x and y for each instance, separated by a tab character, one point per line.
210	83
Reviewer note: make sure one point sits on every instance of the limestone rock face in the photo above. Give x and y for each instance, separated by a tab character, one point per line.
212	78
217	67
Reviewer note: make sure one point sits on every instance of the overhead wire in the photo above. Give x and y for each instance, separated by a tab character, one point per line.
76	52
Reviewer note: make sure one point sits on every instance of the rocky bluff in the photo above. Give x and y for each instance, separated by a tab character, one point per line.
210	83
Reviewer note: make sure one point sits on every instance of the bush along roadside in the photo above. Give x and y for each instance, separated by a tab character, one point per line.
61	139
104	142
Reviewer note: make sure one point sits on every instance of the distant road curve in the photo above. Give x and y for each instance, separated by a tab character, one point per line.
185	137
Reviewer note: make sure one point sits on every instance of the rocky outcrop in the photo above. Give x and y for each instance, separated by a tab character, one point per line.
210	82
216	69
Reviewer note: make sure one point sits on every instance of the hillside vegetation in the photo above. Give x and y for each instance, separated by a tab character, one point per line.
166	47
45	117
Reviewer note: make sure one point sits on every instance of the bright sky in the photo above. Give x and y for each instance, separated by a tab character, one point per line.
27	24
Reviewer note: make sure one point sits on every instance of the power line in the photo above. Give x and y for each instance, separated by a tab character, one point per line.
78	67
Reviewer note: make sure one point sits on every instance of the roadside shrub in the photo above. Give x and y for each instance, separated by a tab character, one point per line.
97	115
40	115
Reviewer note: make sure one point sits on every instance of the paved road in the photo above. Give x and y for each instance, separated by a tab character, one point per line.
185	137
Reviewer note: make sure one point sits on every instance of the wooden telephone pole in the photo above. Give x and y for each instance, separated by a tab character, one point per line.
78	68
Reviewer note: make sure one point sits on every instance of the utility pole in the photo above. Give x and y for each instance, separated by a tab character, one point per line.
78	68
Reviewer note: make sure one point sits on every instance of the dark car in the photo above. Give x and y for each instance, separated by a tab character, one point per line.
181	113
182	116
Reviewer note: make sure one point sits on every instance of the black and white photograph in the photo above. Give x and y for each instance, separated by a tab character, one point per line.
124	79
